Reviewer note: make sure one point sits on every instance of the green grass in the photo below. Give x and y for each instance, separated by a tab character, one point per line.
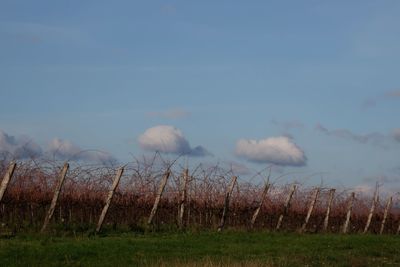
204	248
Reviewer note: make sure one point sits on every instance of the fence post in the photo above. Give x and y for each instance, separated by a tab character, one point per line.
189	199
371	211
109	198
328	210
226	204
55	197
257	211
183	197
398	229
286	207
387	209
7	178
158	197
310	210
348	215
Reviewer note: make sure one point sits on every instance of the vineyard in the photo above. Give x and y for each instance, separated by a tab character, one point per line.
43	195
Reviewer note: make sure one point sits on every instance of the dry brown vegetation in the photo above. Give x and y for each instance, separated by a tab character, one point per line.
83	195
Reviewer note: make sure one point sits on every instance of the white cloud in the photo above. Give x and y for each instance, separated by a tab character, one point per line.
18	147
168	139
66	150
63	149
276	150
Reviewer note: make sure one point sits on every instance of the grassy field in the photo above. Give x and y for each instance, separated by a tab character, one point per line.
201	249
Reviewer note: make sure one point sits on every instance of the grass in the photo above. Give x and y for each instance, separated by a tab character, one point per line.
201	249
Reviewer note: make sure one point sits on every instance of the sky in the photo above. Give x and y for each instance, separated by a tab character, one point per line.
308	86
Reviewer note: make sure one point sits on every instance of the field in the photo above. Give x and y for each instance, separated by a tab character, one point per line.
162	214
201	249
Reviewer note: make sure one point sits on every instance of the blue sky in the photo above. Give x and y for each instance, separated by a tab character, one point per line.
100	73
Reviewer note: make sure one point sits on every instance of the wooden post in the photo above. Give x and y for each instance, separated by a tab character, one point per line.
310	210
226	204
7	178
349	209
328	210
260	203
158	197
183	198
109	198
55	196
188	200
371	211
398	229
387	209
286	207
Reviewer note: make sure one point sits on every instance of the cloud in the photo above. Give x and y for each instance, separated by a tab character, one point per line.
23	147
20	147
66	150
396	134
373	138
373	101
288	125
63	149
170	140
175	113
199	151
276	150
